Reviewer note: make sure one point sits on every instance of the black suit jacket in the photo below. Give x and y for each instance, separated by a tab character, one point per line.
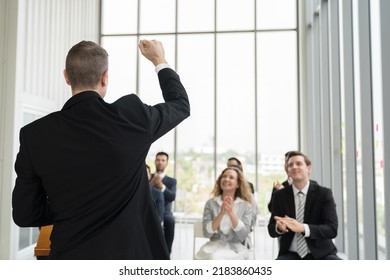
320	215
158	199
83	169
169	193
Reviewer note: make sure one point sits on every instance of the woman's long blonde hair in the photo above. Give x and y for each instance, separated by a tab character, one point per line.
243	190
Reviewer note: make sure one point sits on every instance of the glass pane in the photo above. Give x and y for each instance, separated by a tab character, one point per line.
157	16
28	117
119	16
235	15
35	234
122	52
378	125
24	237
189	13
357	74
195	142
274	14
277	107
343	220
235	99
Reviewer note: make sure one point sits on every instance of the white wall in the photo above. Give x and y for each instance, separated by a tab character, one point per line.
35	36
8	27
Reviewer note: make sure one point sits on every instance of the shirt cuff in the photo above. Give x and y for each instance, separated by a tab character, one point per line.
307	230
163	188
209	228
240	225
161	66
277	230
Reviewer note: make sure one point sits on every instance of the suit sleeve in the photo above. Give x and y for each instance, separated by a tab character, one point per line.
326	228
170	191
166	116
245	219
159	119
160	206
30	206
276	210
207	219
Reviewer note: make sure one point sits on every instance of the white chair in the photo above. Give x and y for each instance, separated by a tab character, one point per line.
198	234
250	243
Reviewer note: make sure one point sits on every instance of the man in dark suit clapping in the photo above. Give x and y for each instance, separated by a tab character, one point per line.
305	234
167	185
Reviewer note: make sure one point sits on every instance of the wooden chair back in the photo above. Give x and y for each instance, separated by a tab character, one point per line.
43	244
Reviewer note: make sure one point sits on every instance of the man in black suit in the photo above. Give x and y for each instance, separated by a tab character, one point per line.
157	196
83	168
167	185
306	236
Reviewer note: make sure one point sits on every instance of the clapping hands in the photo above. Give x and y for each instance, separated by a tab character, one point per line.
227	204
156	181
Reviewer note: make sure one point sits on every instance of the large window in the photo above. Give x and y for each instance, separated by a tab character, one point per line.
238	62
378	126
357	75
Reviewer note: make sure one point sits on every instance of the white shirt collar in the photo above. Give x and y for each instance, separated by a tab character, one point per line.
218	199
304	190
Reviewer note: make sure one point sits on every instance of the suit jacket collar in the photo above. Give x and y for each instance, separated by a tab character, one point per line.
80	97
309	199
304	190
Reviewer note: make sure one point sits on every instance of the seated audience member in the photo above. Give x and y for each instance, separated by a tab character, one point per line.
167	185
303	215
227	218
235	162
157	196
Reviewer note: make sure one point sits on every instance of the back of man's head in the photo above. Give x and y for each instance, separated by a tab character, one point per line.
85	64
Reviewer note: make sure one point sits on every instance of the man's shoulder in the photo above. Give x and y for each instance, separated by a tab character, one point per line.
170	179
125	101
313	182
283	191
319	188
43	121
